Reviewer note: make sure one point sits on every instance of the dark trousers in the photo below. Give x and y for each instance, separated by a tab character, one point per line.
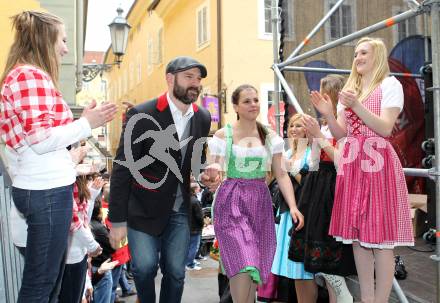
74	279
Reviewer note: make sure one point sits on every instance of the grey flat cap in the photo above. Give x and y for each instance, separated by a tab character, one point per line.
180	64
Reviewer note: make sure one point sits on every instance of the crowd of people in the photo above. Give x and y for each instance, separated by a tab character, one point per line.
79	232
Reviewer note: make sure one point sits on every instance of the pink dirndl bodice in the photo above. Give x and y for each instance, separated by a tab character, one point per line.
371	199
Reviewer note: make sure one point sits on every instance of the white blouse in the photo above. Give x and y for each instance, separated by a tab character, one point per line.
392	94
217	147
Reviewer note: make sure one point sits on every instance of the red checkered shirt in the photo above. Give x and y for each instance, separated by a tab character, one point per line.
79	214
30	106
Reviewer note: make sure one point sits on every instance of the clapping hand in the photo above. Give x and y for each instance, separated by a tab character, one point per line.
311	126
348	99
99	115
322	103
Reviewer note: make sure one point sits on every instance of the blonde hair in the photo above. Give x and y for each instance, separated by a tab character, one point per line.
36	34
381	70
294	141
332	85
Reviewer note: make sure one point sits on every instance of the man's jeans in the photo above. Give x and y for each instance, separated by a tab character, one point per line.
102	291
48	215
172	245
194	244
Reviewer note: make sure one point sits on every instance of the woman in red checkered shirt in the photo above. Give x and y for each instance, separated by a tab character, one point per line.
37	126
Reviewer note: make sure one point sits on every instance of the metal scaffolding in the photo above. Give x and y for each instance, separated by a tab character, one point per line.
426	7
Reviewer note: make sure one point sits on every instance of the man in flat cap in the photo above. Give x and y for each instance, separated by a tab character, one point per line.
150	182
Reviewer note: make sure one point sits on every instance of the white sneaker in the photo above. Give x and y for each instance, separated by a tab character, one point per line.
196	262
202	258
195	267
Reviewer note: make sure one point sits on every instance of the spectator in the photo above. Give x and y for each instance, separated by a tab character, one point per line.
37	125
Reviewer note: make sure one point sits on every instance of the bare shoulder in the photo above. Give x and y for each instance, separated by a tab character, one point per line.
220	133
271	133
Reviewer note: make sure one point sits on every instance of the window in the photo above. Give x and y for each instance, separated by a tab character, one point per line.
265	19
111	95
103	88
119	87
202	26
139	68
270	97
268	16
125	82
131	75
288	15
150	56
85	86
160	46
266	99
341	21
406	28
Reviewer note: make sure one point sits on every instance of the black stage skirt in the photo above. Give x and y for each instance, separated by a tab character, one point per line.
312	245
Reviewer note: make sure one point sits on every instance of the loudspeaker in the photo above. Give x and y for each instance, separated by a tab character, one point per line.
426	71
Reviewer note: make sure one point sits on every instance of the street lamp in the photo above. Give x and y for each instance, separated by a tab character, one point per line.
119	33
119	29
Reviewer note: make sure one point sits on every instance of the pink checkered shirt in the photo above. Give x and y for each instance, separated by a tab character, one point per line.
30	106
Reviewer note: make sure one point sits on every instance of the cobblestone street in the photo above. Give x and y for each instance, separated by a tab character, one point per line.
200	286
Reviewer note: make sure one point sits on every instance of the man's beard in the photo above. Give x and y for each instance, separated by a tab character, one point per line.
188	95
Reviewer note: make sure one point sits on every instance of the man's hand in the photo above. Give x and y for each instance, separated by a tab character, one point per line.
117	234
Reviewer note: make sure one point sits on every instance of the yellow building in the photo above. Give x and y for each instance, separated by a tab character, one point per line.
96	89
232	38
6	11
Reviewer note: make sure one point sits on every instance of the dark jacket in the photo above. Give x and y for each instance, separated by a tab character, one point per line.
207	197
101	234
147	209
196	216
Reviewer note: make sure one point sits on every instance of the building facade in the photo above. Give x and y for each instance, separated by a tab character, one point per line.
234	40
350	17
231	38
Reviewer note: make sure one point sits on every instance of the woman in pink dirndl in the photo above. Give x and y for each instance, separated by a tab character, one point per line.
371	208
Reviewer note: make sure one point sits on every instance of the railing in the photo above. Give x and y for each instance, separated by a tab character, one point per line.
11	262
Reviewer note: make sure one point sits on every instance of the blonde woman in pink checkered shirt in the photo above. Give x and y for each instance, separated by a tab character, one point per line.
371	208
37	126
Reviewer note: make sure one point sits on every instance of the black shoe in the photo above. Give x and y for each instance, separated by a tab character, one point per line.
399	270
128	293
129	275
